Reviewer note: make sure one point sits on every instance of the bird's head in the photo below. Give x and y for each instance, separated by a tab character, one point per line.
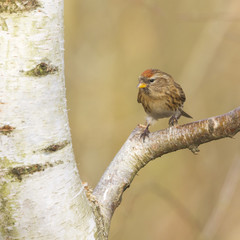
153	80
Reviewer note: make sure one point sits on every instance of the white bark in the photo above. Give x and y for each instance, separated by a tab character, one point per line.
41	195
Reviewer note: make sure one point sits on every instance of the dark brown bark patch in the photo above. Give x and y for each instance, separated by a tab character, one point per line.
6	129
55	147
21	171
42	69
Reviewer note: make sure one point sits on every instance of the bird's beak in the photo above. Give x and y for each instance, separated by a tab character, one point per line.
142	85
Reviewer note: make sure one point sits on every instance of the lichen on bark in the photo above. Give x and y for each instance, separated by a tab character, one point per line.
7	227
14	6
3	24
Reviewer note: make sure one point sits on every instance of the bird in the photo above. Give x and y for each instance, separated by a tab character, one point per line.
161	97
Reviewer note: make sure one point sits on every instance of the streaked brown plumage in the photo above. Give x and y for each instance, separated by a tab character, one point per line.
161	97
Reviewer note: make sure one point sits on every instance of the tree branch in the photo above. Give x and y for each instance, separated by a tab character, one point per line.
135	154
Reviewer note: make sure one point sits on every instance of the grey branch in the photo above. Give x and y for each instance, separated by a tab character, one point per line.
135	154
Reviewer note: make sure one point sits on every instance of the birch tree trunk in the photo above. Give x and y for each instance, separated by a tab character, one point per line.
41	195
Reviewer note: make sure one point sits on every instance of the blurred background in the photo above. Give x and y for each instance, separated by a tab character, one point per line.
108	44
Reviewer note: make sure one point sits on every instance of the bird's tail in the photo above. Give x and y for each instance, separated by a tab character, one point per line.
185	114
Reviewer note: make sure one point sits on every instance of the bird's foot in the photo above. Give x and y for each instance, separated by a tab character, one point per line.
173	121
145	134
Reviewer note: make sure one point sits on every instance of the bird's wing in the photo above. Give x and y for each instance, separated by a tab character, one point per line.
182	96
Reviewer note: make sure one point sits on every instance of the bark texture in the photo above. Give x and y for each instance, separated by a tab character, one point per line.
41	195
135	154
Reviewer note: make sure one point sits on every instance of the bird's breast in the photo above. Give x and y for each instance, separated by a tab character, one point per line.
156	108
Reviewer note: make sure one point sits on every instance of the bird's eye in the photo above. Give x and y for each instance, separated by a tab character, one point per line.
152	80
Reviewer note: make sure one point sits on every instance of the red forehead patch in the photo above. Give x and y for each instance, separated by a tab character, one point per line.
149	72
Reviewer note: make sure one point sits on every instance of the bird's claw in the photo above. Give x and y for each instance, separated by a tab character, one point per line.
145	134
173	121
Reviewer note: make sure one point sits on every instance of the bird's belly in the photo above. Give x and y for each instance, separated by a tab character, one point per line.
160	110
162	114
